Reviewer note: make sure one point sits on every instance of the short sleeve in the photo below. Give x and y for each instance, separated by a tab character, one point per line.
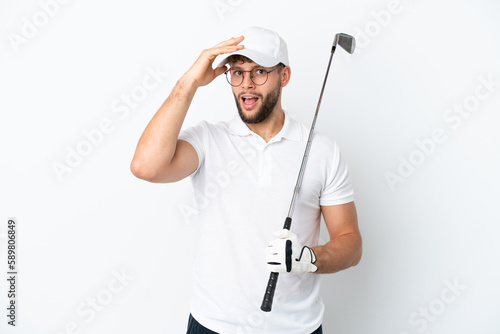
194	136
337	187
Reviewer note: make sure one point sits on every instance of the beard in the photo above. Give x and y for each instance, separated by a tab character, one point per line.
267	107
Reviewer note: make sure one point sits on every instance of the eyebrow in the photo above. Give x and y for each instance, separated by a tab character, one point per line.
240	69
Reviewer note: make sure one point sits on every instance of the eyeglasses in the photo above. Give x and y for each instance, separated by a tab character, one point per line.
258	76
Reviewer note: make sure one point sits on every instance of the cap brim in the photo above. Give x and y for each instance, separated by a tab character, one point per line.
258	57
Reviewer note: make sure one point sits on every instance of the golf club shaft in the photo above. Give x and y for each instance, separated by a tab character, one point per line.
273	278
308	146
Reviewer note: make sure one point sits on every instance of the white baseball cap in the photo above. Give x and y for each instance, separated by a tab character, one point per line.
263	46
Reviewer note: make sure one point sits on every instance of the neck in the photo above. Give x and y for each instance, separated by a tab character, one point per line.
268	128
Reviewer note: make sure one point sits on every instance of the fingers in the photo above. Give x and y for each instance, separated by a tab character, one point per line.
220	70
221	48
284	234
226	47
230	42
275	244
201	71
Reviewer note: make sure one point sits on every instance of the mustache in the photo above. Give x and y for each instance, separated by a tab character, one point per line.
251	93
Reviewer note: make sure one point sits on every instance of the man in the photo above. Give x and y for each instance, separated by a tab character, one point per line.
243	174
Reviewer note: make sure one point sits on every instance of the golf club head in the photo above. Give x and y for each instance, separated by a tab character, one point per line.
346	42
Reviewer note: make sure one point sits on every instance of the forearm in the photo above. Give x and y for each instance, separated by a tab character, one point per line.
338	254
158	142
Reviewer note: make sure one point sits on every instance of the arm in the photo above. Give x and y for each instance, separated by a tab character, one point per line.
160	156
344	248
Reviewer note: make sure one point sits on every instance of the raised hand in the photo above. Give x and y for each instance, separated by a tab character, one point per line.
202	73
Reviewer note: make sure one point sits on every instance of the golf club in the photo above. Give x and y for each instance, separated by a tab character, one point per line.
347	43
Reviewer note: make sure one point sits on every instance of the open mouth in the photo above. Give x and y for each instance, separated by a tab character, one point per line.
249	101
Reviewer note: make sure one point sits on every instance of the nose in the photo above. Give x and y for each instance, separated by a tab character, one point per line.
247	80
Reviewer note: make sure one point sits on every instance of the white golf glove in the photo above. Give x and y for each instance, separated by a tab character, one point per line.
286	254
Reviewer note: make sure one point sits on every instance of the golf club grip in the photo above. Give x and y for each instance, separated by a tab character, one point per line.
267	302
288	223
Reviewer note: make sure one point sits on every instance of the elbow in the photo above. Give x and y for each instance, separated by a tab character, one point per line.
358	253
140	170
149	171
357	259
136	167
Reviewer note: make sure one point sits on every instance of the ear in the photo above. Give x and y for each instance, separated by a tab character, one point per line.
286	73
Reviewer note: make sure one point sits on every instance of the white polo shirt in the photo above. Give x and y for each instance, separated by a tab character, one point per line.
243	187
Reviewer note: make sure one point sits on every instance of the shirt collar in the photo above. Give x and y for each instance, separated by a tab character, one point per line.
290	129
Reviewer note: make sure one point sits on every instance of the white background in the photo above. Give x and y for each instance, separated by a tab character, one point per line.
437	225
